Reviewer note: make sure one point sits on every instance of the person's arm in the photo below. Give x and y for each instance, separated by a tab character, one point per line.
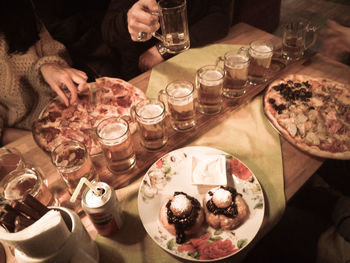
8	135
335	41
53	69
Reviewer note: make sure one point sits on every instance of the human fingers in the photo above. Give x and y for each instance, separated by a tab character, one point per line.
73	90
140	19
60	94
78	77
137	17
333	48
337	27
80	81
342	30
139	28
150	5
80	73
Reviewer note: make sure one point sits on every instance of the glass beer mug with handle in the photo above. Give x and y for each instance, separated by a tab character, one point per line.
179	99
294	38
236	65
174	26
150	118
113	134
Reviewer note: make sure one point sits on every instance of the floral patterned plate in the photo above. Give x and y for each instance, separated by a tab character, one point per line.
171	173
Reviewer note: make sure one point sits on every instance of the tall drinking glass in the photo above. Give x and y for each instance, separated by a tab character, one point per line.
73	162
180	100
174	26
236	73
150	117
209	85
260	52
114	137
20	182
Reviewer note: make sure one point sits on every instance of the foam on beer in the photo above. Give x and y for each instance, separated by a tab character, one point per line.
261	51
237	61
211	78
262	54
151	113
178	94
113	133
237	66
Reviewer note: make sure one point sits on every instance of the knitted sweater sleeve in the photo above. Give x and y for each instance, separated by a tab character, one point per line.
4	72
48	51
2	117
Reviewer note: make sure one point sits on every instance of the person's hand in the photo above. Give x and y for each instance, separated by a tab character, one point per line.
140	19
336	40
59	77
149	59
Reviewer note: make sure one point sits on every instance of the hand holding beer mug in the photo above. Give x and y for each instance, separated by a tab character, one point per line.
180	101
174	25
150	117
115	140
209	85
236	72
294	39
260	53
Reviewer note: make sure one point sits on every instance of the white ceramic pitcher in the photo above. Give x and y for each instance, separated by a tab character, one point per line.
66	241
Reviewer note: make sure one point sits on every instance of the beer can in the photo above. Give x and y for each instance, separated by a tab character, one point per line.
104	210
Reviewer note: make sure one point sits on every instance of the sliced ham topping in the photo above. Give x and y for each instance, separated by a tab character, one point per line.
113	97
124	101
49	133
54	115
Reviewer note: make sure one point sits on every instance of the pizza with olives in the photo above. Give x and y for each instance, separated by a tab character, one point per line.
311	113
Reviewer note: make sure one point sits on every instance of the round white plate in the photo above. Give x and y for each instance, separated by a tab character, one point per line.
171	173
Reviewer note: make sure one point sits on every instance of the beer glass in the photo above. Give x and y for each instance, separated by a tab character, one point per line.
260	53
174	25
73	162
209	85
114	136
236	73
180	95
294	39
10	159
20	182
150	118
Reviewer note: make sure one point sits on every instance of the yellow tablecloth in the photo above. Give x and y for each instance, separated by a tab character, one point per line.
246	134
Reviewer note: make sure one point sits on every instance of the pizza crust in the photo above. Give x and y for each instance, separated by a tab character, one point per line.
326	104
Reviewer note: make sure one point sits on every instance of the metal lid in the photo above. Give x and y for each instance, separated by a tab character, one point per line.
93	201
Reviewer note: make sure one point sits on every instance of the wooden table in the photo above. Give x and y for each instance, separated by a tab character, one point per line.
298	166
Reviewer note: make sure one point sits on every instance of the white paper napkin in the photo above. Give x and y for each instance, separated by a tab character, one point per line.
208	169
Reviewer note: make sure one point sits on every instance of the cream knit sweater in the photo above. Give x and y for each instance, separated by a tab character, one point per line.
23	91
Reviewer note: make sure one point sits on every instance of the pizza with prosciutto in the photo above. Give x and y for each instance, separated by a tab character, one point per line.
106	98
311	113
